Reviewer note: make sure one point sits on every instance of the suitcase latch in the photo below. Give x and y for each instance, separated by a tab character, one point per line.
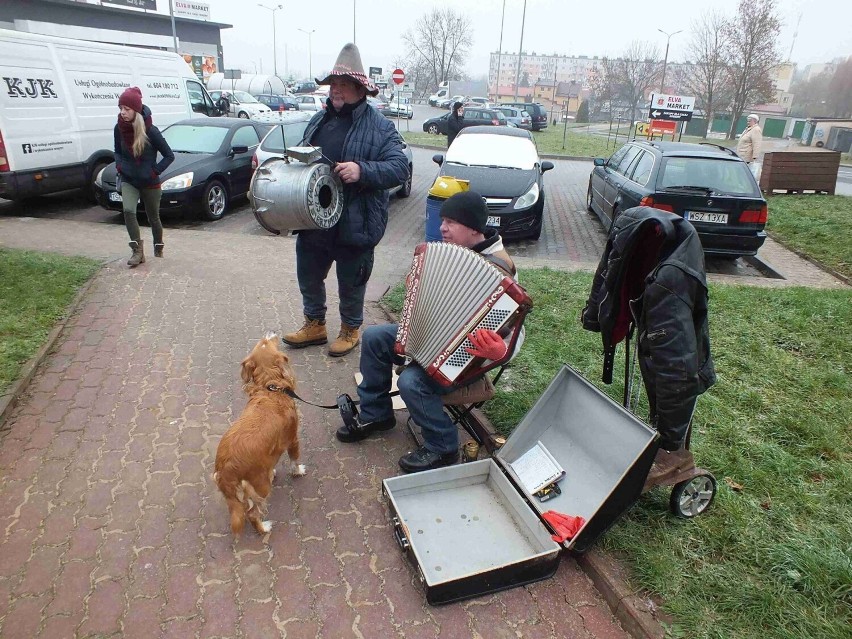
400	533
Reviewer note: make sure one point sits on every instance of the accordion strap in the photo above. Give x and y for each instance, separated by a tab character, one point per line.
500	263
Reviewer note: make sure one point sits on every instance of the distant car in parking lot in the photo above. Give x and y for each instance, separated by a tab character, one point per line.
538	114
212	166
706	184
472	117
447	103
240	103
305	86
399	109
278	102
311	102
516	116
502	164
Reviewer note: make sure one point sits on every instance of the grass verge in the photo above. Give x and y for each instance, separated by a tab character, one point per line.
819	226
35	291
771	558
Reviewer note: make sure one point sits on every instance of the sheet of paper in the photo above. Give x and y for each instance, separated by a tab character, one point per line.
536	468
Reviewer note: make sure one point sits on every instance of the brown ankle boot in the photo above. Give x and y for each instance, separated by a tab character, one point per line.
138	256
348	339
312	332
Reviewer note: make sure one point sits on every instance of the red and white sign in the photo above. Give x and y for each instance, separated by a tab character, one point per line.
663	127
398	76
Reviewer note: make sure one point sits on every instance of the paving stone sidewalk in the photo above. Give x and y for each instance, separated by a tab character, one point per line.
109	523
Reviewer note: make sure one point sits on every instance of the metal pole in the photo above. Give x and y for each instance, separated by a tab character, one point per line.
499	54
520	50
274	46
310	54
353	22
174	31
666	59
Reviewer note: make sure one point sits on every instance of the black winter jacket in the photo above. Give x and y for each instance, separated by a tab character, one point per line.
372	142
656	259
454	125
143	172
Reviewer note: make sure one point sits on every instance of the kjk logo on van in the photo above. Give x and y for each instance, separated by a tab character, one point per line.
30	88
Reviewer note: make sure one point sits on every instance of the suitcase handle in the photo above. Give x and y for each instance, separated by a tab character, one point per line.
399	534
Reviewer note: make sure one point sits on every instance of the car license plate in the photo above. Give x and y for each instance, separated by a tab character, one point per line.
703	216
115	197
493	220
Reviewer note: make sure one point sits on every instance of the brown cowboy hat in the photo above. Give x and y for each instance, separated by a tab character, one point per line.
349	64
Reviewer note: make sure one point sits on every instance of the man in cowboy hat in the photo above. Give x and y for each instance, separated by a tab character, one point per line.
367	155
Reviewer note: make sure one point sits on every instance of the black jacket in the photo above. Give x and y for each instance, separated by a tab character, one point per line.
143	172
454	125
656	260
373	142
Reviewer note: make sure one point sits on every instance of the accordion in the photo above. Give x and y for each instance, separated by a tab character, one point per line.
453	291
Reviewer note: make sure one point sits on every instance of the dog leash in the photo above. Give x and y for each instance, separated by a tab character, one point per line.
291	393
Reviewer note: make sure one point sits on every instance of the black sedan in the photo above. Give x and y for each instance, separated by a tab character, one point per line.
706	184
212	166
502	165
472	117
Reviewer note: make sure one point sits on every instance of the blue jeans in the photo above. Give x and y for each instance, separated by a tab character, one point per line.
315	252
421	394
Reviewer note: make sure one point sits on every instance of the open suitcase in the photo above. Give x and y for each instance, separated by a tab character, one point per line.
473	529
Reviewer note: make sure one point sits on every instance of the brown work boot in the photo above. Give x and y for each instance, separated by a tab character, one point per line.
311	333
138	256
348	339
158	250
667	465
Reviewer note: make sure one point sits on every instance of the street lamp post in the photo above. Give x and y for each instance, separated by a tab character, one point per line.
666	59
520	51
274	37
499	55
310	71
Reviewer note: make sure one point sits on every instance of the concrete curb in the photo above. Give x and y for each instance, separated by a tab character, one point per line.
9	399
816	263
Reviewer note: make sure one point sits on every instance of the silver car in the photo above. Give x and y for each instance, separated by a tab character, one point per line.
311	102
516	116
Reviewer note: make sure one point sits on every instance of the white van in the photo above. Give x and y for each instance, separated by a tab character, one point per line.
59	106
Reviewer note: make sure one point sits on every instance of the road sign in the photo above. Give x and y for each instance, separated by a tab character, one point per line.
398	76
662	127
676	108
643	128
375	71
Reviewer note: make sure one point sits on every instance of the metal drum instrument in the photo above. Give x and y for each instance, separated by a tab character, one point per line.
292	196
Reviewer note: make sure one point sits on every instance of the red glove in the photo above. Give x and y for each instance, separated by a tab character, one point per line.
487	344
566	526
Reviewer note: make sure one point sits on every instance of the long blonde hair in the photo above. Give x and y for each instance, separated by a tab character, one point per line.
140	137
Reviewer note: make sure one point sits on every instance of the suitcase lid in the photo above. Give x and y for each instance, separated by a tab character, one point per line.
605	451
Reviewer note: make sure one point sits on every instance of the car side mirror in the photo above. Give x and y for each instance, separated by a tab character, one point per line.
438	158
237	150
546	166
600	162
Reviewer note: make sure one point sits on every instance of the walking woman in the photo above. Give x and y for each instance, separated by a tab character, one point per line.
454	122
137	142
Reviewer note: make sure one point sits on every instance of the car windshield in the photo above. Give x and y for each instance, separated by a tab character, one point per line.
244	97
493	150
721	177
186	138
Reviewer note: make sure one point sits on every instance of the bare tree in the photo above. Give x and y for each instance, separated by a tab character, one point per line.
751	42
840	90
602	86
440	41
636	71
811	97
709	79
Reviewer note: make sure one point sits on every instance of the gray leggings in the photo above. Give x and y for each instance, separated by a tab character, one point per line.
151	199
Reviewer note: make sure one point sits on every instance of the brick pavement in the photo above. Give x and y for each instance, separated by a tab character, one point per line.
109	524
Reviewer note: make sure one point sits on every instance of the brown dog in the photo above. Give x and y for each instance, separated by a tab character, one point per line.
250	449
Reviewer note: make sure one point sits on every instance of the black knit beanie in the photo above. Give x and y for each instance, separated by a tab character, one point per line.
468	208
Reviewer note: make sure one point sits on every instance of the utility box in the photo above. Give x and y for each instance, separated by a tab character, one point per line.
797	171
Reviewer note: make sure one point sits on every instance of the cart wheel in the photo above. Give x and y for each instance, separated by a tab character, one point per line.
692	497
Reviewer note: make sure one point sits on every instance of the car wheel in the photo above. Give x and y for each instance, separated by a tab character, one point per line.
90	187
214	201
243	115
405	190
433	129
589	207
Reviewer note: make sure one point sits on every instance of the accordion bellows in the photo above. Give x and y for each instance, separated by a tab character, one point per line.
453	291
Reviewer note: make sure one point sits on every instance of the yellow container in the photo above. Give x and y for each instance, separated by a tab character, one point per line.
445	186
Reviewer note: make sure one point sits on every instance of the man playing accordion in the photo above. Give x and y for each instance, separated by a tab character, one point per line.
463	222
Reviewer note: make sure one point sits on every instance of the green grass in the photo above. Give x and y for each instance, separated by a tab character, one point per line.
772	559
819	226
35	291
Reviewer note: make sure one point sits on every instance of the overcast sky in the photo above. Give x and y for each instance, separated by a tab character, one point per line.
569	27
